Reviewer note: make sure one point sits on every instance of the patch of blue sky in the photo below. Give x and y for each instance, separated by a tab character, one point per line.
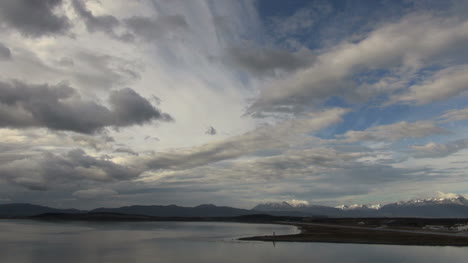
367	115
326	23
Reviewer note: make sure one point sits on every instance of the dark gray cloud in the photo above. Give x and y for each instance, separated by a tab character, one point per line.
33	18
47	170
261	61
130	108
211	131
61	108
126	150
66	62
154	28
103	23
5	53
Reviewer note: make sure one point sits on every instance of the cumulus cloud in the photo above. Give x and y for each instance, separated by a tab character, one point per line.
438	150
393	132
61	108
33	18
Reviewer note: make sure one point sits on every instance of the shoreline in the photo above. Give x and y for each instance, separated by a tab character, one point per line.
386	231
319	233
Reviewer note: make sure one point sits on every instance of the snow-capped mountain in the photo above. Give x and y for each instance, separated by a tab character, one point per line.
454	206
443	206
296	209
358	206
278	206
455	200
273	206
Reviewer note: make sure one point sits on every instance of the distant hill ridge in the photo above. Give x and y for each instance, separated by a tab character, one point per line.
208	210
453	207
22	209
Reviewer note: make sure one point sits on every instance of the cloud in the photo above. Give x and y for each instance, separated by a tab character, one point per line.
408	45
129	108
94	193
103	23
24	142
33	18
101	71
268	61
284	134
393	132
444	84
454	115
5	53
437	150
149	29
440	194
211	131
126	150
145	28
47	170
299	173
60	108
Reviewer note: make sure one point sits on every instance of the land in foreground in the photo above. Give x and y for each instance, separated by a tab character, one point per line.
394	231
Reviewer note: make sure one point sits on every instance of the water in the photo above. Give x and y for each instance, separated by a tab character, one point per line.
31	241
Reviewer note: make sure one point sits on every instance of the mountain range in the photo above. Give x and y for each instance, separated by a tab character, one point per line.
456	206
453	207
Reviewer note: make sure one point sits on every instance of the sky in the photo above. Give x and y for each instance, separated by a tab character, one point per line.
116	102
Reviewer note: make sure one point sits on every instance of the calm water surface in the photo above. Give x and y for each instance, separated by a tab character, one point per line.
30	241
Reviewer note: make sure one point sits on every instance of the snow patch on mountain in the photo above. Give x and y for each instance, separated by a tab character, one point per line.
299	203
359	206
441	199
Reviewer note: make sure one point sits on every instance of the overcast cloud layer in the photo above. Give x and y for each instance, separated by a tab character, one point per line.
113	102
